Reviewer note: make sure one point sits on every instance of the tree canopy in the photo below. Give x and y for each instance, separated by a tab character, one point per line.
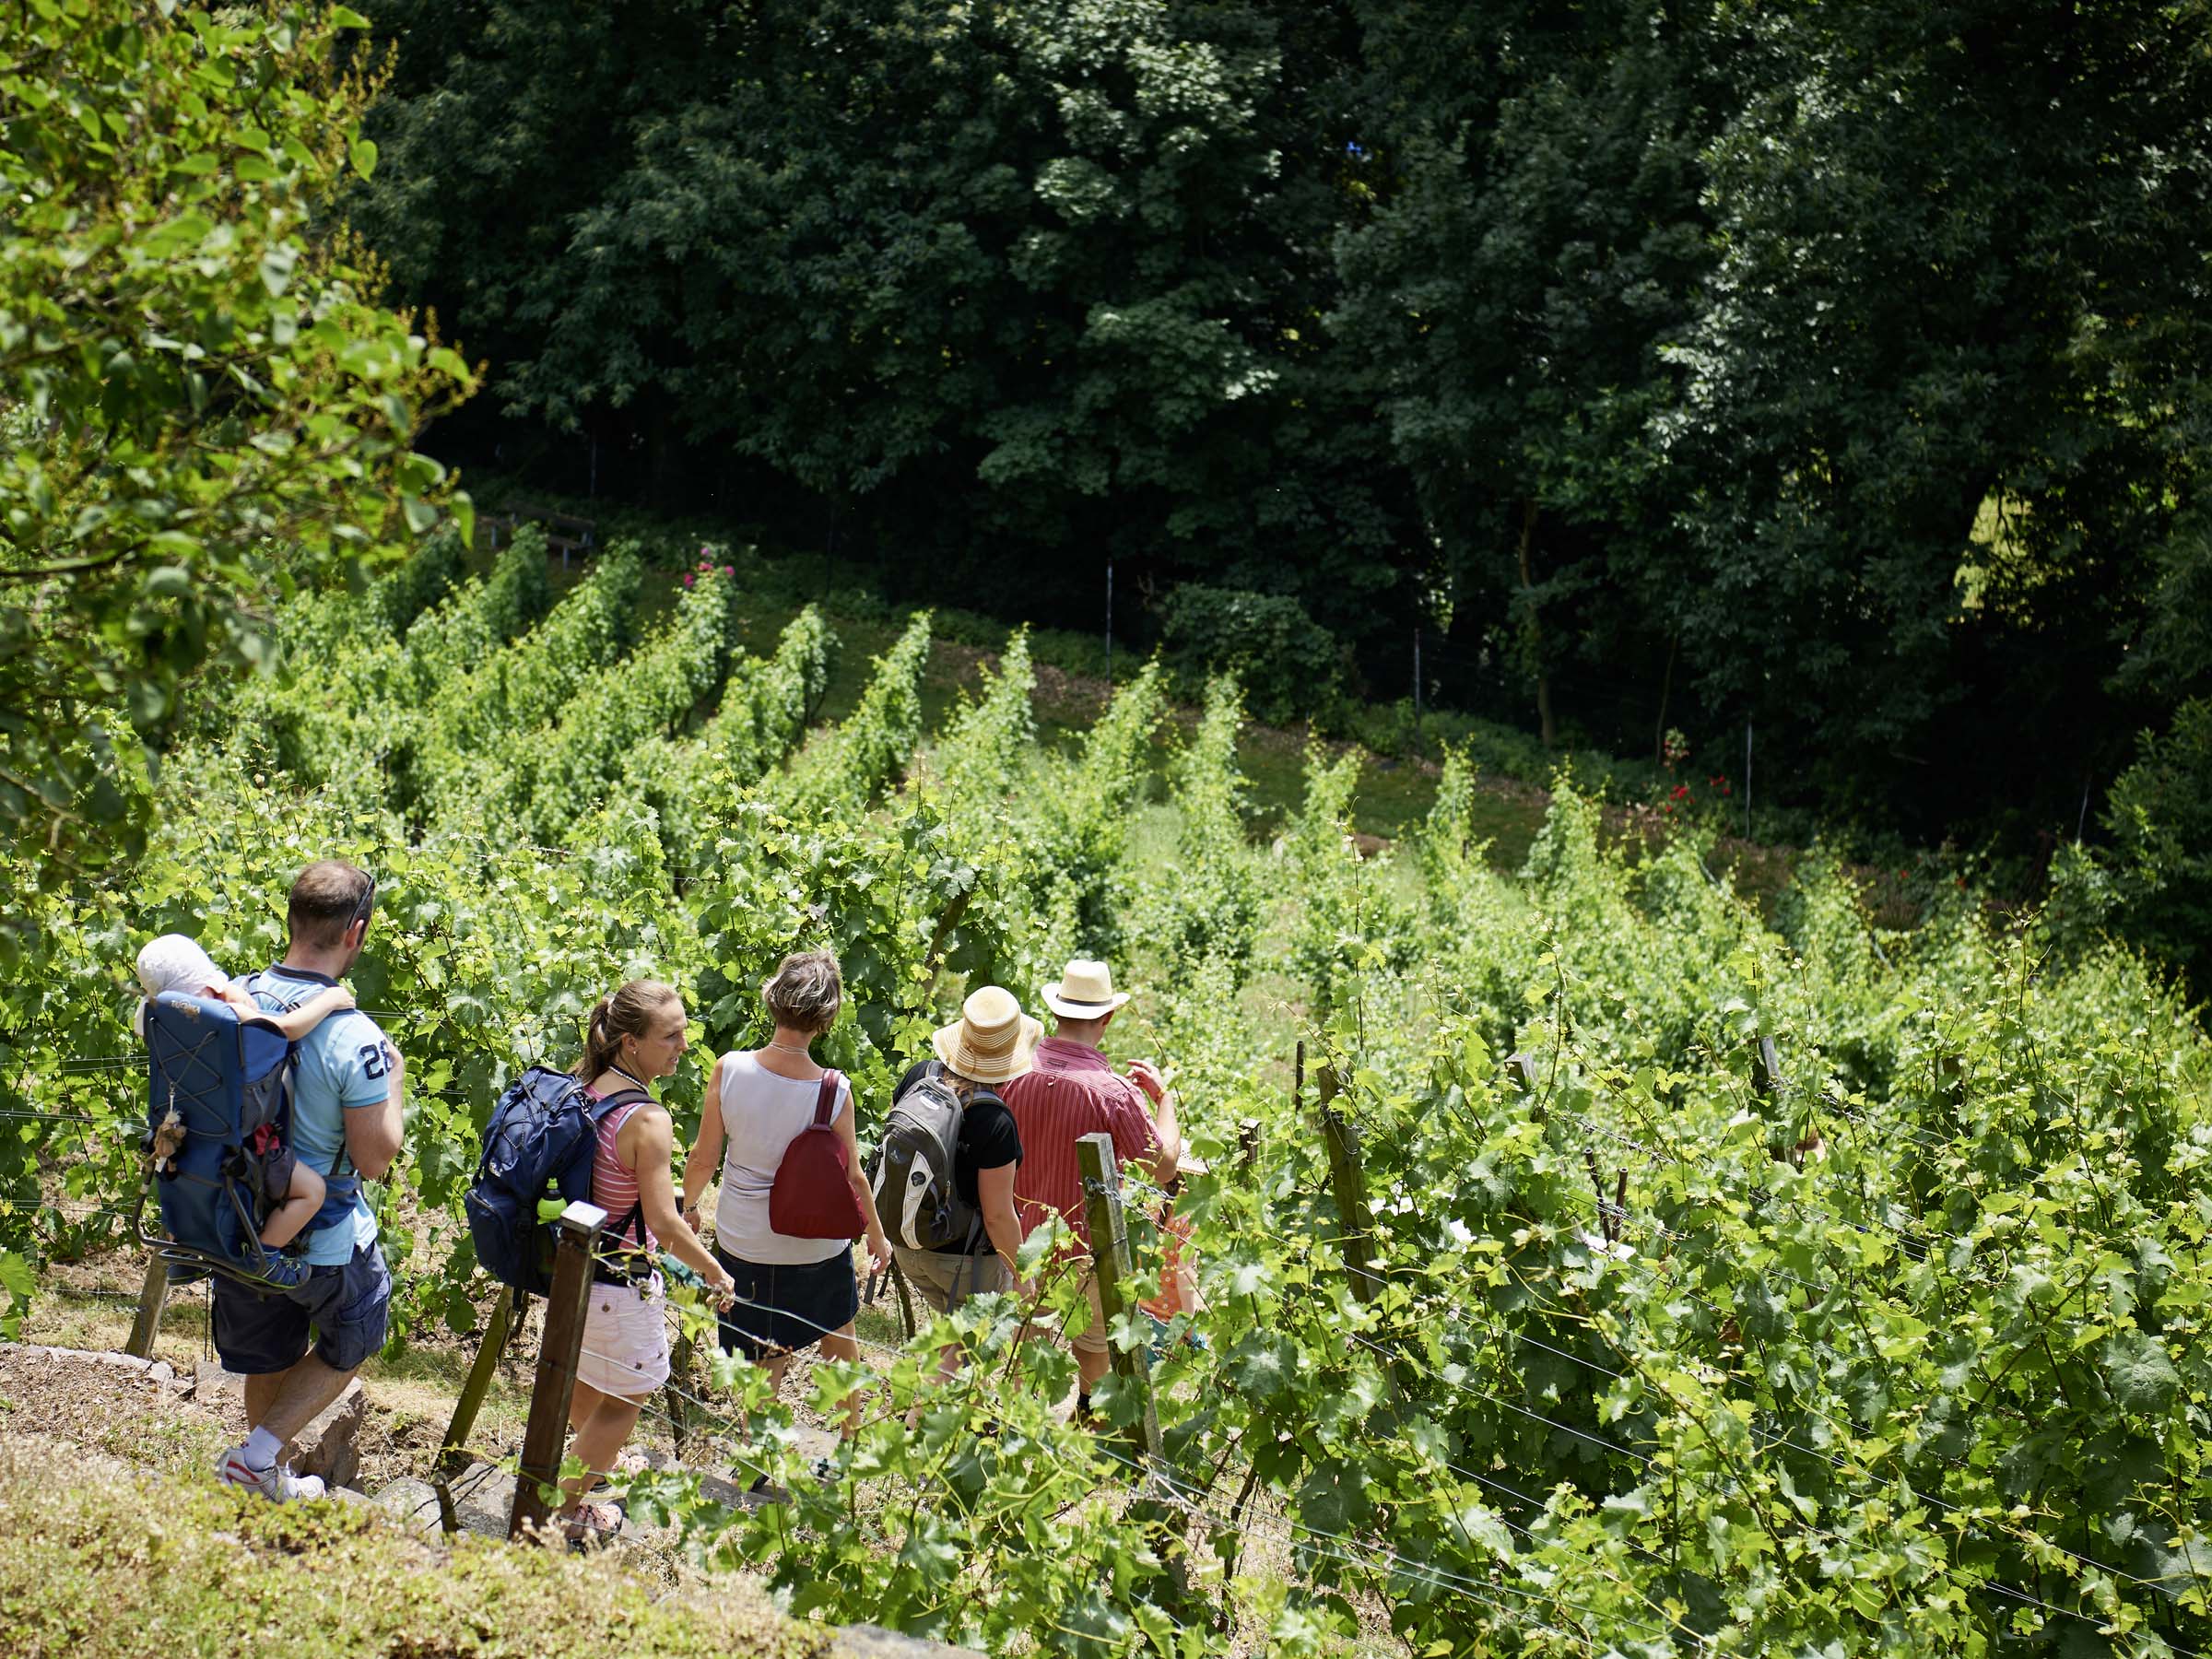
1831	369
202	397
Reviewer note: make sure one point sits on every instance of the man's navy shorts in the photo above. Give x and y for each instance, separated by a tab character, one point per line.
351	1307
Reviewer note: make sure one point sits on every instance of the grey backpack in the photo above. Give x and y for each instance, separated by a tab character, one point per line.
912	1176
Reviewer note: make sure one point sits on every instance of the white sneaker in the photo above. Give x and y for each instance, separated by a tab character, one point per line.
276	1483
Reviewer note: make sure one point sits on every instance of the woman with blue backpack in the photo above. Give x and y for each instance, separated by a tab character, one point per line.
636	1037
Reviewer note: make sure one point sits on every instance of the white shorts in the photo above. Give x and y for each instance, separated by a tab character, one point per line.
625	1340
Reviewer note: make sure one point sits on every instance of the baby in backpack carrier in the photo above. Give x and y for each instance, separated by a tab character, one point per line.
173	962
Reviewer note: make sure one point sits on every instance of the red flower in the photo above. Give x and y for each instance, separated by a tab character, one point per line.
1681	792
691	577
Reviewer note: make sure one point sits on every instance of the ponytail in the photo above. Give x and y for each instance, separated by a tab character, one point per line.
627	1013
598	1044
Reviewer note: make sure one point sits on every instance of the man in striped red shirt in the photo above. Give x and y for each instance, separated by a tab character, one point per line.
1071	1091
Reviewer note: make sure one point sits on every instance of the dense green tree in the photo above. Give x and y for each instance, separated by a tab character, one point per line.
1936	381
1542	242
1846	353
1830	369
202	401
997	276
2160	823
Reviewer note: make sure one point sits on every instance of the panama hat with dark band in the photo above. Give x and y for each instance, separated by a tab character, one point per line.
1084	992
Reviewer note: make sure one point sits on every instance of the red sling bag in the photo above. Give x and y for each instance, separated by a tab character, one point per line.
812	1197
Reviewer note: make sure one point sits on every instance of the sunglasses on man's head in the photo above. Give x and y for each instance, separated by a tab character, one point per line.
368	903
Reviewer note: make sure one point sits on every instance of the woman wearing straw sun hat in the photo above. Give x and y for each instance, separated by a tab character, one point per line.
991	1044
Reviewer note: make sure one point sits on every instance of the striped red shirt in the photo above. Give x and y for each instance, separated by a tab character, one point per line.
1071	1092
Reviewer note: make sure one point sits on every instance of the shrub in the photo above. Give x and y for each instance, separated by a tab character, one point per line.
2161	820
1290	666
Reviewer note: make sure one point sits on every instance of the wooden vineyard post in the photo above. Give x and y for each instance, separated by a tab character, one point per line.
1769	1076
1112	1267
1347	1185
547	1434
1522	1068
453	1454
151	1298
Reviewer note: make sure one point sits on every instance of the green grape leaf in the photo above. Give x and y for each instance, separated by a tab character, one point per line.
2139	1374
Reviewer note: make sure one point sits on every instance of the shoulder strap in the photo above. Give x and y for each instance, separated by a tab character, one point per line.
630	1230
825	1100
620	1098
253	984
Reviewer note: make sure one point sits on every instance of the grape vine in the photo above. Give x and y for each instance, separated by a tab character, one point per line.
1713	1284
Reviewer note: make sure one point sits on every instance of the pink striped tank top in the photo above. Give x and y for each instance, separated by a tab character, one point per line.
614	1185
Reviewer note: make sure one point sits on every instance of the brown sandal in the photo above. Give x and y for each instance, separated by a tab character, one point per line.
592	1526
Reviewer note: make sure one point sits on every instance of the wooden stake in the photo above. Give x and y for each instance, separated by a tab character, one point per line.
1347	1186
1769	1076
452	1456
547	1435
1766	1081
1347	1183
151	1299
1113	1265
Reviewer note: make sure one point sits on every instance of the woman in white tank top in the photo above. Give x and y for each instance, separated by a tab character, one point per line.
792	1292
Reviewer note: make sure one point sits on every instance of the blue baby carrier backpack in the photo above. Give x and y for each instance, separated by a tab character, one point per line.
218	1078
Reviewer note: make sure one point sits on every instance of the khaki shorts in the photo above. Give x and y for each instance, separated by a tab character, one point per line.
933	1272
625	1349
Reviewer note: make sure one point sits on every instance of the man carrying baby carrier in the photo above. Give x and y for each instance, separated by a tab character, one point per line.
346	1124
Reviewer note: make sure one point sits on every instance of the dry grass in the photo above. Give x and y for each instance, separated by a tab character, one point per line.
121	1563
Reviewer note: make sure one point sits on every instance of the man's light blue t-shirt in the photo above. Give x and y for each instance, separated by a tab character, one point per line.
345	1064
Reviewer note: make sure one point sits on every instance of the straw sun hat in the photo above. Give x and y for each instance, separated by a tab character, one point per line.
1084	992
993	1041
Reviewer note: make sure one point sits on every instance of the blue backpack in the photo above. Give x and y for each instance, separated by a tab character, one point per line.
216	1080
537	1146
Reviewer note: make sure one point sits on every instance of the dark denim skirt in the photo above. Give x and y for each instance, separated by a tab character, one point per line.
781	1307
